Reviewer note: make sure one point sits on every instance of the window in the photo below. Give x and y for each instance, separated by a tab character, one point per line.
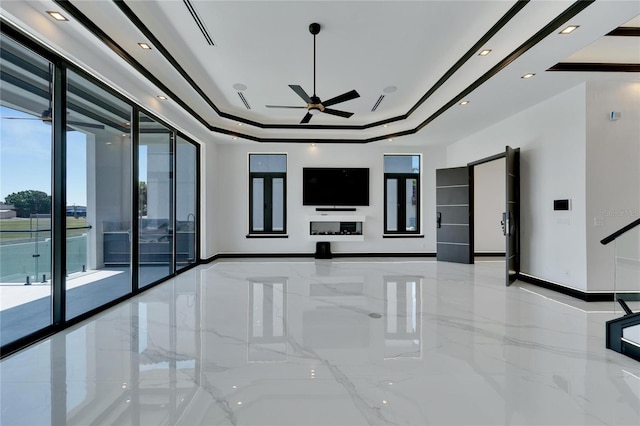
402	194
267	193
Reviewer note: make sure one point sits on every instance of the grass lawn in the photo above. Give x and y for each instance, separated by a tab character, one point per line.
22	224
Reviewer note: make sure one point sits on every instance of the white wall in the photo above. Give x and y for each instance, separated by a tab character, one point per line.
551	136
488	205
209	199
613	173
233	199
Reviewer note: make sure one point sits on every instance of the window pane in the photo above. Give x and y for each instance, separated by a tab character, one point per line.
411	205
402	164
258	205
155	216
25	191
392	205
278	204
98	196
186	207
268	163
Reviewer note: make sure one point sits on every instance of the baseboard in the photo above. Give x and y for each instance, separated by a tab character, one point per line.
490	254
310	255
578	294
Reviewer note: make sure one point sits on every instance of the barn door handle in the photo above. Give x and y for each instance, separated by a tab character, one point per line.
439	220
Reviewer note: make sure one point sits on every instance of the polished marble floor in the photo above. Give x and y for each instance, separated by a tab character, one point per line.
330	342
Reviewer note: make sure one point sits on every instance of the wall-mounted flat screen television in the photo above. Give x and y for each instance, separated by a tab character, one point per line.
323	186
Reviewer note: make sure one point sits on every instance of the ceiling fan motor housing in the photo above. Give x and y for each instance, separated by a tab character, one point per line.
314	28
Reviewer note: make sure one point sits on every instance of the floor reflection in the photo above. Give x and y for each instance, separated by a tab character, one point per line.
327	343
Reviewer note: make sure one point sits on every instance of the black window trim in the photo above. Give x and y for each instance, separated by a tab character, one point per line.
267	233
401	178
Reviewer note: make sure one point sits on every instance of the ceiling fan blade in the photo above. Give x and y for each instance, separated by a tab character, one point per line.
22	118
342	98
285	106
344	114
306	118
300	91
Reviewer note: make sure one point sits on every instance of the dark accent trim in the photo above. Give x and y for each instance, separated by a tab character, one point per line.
619	232
490	254
552	26
199	23
73	11
578	294
173	176
335	209
615	329
134	244
487	159
59	191
115	47
402	236
257	256
302	255
630	350
561	19
512	12
625	32
594	67
267	236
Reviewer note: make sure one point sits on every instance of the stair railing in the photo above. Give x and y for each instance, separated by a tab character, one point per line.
623	334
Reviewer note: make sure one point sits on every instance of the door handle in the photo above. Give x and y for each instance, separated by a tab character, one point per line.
506	224
439	220
503	223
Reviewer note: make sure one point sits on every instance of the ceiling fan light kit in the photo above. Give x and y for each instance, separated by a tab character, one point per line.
314	103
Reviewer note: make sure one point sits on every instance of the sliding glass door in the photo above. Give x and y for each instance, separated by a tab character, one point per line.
155	202
98	199
98	188
25	191
186	205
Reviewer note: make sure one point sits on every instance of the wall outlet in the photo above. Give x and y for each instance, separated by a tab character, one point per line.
598	221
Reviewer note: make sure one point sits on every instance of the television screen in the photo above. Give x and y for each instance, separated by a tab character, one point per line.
335	186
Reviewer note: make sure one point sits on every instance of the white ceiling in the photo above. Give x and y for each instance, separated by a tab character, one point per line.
368	46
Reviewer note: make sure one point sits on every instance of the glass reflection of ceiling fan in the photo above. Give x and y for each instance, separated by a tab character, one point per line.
46	116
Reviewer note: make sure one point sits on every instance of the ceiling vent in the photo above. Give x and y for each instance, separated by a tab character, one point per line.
244	100
377	104
199	22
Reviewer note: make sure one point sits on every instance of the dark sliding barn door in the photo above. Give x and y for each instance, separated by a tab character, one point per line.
511	216
454	234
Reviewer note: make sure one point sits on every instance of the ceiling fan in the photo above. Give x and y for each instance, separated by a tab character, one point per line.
47	117
314	104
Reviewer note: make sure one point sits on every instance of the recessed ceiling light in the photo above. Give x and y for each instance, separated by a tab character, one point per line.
390	140
234	137
239	124
465	102
385	126
569	29
528	75
389	89
162	97
57	15
240	87
144	46
484	52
